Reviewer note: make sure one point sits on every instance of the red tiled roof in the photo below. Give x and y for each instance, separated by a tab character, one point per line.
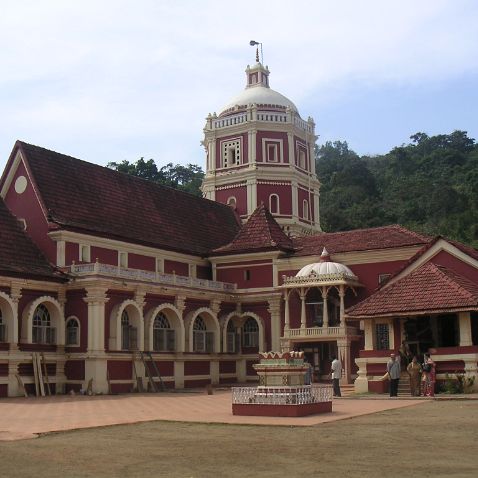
426	289
261	232
93	199
358	240
19	256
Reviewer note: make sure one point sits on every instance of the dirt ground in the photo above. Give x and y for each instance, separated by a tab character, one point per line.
432	439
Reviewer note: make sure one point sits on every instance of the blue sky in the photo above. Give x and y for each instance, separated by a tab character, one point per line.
112	80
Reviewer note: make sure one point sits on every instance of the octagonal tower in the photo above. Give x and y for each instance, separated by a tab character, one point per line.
259	150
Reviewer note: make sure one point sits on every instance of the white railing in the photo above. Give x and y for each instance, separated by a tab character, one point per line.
313	277
321	332
97	268
282	395
266	116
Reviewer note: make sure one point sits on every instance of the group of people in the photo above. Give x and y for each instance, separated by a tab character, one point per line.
422	375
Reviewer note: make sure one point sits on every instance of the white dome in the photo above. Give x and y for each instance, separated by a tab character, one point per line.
319	268
260	95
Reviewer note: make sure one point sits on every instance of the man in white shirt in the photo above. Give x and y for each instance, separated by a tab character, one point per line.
336	372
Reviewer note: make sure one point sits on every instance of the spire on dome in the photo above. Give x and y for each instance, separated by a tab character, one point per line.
257	55
325	256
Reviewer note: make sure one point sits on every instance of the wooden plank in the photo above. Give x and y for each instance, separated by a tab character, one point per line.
40	375
21	385
154	388
45	374
155	367
35	374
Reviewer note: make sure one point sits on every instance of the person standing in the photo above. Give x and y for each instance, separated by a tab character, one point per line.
336	372
414	369
393	370
429	376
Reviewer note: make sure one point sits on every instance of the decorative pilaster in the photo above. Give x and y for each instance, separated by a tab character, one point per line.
15	295
343	347
368	334
286	313
96	300
215	306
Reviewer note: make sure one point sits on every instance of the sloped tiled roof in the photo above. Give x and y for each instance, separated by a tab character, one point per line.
426	289
19	256
358	240
93	199
261	232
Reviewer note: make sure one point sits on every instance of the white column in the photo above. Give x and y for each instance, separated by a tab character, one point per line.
178	374
286	312
290	141
342	306
303	316
274	311
253	138
368	333
343	347
214	372
465	329
325	311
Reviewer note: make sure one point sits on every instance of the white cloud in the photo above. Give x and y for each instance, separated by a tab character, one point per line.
142	75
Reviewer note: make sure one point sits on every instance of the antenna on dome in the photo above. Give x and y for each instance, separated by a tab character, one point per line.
256	43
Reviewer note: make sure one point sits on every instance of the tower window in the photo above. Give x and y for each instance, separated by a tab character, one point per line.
247	274
123	259
305	209
272	155
274	204
231	153
84	253
302	159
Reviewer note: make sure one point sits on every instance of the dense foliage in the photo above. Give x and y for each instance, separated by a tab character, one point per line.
429	185
186	178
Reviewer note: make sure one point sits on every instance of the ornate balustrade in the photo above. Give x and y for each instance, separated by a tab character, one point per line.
320	332
96	268
282	395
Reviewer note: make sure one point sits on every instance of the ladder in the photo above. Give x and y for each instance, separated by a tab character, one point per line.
151	377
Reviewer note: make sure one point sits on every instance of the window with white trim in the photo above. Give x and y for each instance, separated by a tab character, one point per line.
203	340
72	331
231	338
250	333
273	153
382	337
231	153
159	265
164	337
305	209
122	259
129	334
85	255
274	204
42	331
302	162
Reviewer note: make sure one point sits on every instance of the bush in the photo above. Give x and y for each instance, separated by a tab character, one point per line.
459	383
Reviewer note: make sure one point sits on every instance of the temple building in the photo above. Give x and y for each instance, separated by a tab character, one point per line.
97	266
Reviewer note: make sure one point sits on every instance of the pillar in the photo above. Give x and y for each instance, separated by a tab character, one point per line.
368	333
343	347
286	313
325	308
274	311
342	305
178	374
303	316
96	363
465	329
214	370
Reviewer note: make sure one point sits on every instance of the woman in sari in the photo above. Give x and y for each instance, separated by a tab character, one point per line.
414	369
428	376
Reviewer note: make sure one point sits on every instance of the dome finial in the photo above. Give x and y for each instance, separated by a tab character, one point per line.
325	256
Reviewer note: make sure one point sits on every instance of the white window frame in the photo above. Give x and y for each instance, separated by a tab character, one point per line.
78	336
123	259
231	147
305	209
278	204
160	265
84	253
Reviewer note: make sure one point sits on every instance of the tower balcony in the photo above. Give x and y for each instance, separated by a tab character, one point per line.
311	333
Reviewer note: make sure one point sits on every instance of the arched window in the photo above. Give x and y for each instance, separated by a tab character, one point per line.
164	337
274	204
305	209
3	329
203	340
42	332
129	334
232	338
72	338
232	203
250	333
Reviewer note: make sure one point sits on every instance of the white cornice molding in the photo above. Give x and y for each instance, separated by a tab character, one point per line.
96	241
253	256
